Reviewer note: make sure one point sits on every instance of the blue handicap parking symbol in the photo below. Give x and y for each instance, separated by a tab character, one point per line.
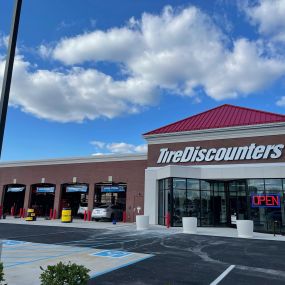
112	253
12	242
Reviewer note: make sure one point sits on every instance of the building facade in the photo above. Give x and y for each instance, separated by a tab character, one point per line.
221	165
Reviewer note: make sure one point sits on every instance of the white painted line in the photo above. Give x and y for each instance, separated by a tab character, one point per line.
223	275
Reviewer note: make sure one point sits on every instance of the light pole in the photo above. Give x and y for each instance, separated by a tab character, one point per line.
9	69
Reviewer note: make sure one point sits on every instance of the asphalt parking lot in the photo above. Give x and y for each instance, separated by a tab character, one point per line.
177	258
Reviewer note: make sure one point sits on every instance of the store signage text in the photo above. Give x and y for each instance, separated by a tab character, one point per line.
265	201
198	154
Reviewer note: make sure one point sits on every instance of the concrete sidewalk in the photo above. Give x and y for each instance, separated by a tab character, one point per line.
131	227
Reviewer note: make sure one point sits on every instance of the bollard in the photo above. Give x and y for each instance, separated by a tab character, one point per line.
142	222
189	225
50	213
85	215
89	215
54	214
167	220
21	213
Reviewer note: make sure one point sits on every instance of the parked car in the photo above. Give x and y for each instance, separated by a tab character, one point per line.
109	212
82	208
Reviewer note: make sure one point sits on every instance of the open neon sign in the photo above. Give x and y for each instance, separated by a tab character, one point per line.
265	200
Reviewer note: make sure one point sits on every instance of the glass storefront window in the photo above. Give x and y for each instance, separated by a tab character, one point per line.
222	203
206	208
273	184
193	184
205	185
179	183
255	185
193	203
180	206
237	185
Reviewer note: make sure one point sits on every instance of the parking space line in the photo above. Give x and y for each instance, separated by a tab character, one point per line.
223	275
120	266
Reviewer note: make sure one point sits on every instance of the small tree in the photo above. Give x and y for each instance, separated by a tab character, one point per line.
65	274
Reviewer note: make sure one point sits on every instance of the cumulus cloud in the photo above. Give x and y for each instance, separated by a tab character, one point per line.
281	102
269	16
117	148
75	94
177	51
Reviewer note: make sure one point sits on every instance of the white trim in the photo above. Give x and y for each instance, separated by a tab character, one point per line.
222	172
218	133
75	160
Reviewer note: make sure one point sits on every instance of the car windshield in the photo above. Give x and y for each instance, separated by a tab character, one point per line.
103	206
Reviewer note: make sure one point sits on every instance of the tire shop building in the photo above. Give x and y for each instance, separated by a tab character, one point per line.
221	165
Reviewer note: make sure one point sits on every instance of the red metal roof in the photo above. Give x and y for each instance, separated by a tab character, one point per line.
221	117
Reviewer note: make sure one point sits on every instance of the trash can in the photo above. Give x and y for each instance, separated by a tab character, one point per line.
66	216
31	215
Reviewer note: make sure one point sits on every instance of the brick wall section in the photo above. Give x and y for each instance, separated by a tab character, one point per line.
154	149
130	172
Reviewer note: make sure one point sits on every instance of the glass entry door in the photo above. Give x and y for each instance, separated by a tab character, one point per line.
237	201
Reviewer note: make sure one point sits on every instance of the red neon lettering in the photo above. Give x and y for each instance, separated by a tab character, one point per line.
262	199
269	201
255	200
275	200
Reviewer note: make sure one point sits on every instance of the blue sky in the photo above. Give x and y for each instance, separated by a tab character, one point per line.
91	76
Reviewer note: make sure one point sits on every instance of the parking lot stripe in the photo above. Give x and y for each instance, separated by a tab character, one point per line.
223	275
121	266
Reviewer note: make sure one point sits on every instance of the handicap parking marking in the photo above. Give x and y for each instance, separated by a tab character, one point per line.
112	253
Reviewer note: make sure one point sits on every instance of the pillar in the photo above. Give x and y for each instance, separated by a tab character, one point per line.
28	195
57	200
91	197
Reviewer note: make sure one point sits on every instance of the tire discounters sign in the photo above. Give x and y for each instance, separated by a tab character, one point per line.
198	154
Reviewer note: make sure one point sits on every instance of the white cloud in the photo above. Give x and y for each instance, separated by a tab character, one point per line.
281	102
45	51
269	16
178	50
118	148
98	144
75	94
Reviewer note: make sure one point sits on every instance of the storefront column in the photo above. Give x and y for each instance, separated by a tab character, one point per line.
91	197
57	200
28	195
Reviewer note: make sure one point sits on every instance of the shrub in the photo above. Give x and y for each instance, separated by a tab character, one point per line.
65	274
1	273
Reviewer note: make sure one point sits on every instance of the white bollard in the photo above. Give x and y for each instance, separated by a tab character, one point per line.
245	228
142	222
189	225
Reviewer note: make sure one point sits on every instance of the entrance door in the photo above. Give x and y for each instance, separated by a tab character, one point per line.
237	202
